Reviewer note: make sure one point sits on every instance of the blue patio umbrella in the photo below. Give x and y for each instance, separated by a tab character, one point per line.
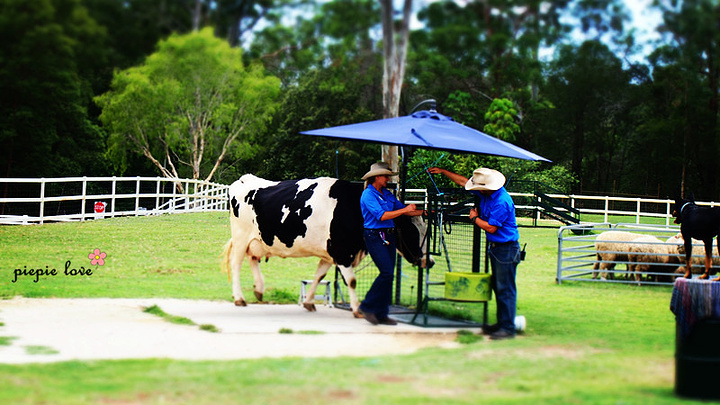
430	130
427	129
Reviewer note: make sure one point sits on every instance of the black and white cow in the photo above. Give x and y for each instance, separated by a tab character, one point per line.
301	218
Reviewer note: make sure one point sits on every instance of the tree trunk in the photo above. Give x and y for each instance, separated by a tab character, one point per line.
394	68
197	15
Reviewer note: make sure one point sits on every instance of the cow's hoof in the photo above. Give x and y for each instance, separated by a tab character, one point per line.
240	303
703	276
309	306
357	314
258	295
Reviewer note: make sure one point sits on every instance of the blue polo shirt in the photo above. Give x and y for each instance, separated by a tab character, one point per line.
498	210
374	204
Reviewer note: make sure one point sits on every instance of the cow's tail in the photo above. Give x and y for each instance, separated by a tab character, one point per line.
225	263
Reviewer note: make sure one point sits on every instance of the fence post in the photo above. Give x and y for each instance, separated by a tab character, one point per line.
637	212
607	208
82	200
667	213
42	200
558	278
137	196
187	195
112	199
157	196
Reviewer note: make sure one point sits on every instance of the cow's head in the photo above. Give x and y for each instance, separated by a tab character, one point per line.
680	204
411	240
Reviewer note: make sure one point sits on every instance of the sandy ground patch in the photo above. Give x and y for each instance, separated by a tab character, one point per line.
48	330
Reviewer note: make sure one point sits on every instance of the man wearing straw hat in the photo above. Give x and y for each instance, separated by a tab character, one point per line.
379	207
496	215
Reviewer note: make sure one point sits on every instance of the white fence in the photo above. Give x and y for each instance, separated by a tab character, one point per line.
36	201
31	201
638	208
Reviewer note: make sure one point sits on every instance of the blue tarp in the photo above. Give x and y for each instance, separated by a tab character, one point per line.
427	129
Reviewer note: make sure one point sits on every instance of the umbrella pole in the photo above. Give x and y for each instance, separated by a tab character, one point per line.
401	195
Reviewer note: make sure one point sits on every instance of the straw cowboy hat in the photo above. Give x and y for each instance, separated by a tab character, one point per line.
379	169
485	179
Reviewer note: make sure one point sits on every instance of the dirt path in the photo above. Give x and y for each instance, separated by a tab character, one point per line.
47	330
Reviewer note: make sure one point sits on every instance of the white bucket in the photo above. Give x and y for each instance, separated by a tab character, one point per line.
520	323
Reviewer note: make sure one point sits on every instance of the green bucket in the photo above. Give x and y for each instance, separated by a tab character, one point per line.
471	287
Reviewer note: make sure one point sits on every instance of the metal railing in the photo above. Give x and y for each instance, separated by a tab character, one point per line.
36	201
617	259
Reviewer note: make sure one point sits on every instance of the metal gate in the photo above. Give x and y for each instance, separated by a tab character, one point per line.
453	243
583	257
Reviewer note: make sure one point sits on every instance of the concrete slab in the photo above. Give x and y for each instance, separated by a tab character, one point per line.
47	330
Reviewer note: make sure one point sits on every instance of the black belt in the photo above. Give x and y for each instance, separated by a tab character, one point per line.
497	244
386	230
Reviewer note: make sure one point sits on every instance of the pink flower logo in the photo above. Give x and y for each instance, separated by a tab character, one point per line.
97	257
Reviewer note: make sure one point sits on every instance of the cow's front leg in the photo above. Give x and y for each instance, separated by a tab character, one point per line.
259	286
322	270
349	276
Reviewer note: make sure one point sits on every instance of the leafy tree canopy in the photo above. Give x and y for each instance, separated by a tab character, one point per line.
190	105
44	128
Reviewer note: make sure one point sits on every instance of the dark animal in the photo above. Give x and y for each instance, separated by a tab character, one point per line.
702	223
301	218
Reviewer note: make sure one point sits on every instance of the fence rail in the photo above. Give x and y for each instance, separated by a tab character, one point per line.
31	201
607	206
578	258
36	201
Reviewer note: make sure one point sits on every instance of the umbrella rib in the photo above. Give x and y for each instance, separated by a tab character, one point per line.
414	132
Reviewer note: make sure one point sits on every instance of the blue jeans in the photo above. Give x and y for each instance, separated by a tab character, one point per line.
378	298
504	259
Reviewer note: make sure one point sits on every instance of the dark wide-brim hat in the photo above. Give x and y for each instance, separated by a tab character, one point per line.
485	179
379	169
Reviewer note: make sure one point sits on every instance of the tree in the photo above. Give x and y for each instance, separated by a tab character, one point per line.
590	90
692	28
134	27
336	95
47	49
191	102
484	50
336	33
234	18
395	42
501	120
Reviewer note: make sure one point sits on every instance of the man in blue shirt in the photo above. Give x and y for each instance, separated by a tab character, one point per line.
379	207
496	215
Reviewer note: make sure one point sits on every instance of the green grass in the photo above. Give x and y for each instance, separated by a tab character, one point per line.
157	311
6	340
584	343
179	320
40	350
163	256
209	328
288	331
